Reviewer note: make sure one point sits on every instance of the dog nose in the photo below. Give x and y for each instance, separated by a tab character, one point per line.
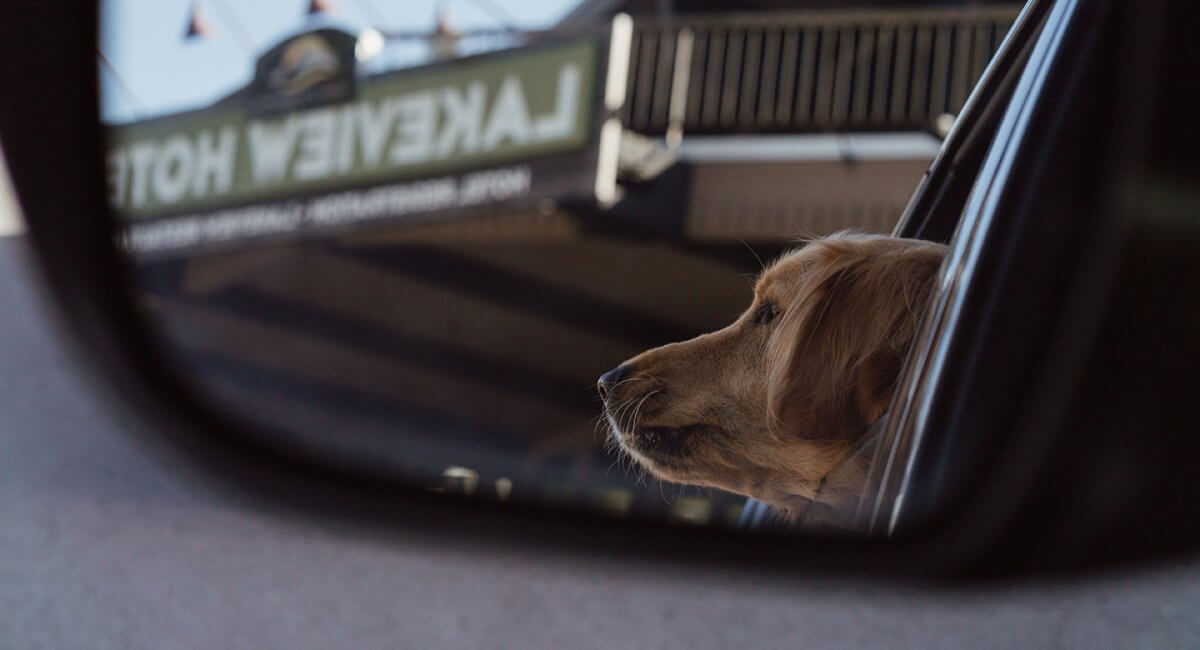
612	378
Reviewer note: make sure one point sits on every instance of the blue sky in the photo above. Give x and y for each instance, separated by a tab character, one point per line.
163	73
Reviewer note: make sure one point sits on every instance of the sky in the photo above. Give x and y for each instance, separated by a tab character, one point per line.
159	72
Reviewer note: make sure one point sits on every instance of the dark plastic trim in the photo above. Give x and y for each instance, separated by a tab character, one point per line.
52	142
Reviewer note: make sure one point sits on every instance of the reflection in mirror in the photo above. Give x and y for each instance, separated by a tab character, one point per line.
408	238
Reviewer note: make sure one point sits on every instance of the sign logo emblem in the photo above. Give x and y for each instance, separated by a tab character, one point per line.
305	62
307	70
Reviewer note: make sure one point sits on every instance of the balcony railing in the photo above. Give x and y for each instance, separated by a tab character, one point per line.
808	71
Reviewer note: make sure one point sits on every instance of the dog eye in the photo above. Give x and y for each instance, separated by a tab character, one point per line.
765	313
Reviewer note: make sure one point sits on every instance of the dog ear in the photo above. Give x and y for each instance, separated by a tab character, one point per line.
838	349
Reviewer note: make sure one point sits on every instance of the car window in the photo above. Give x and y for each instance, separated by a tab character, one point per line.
444	244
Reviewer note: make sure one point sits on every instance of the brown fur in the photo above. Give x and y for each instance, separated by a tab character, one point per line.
770	409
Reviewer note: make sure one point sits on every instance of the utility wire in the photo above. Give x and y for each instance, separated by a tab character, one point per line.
372	13
135	105
502	15
239	33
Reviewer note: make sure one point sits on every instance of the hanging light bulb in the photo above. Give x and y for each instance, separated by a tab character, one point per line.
370	44
321	7
443	42
197	25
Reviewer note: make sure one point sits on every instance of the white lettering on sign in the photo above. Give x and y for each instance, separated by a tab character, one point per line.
345	139
416	118
495	185
400	130
509	119
270	149
167	171
214	162
373	128
328	211
462	115
141	160
561	123
173	169
315	156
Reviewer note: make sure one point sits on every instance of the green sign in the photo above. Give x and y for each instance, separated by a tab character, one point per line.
477	112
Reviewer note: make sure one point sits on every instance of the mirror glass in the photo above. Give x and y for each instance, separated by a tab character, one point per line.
446	242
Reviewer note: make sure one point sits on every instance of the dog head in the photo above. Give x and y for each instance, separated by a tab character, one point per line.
770	405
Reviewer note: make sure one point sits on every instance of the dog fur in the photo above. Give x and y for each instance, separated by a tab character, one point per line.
771	405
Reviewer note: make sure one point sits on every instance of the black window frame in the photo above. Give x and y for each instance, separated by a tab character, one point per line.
54	148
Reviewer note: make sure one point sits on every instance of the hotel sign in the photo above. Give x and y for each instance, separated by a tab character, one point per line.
410	135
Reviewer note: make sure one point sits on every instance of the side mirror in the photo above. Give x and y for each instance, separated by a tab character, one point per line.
429	289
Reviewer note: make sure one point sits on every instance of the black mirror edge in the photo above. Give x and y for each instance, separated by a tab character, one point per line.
926	216
53	145
1104	479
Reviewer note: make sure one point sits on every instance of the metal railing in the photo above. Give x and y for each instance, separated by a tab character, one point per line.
808	71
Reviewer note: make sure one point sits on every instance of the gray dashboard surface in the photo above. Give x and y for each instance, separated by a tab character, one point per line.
105	542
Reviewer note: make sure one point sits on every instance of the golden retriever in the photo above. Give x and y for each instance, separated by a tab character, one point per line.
771	405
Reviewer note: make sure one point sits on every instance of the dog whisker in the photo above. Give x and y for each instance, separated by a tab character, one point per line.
761	266
617	385
620	413
629	426
636	409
